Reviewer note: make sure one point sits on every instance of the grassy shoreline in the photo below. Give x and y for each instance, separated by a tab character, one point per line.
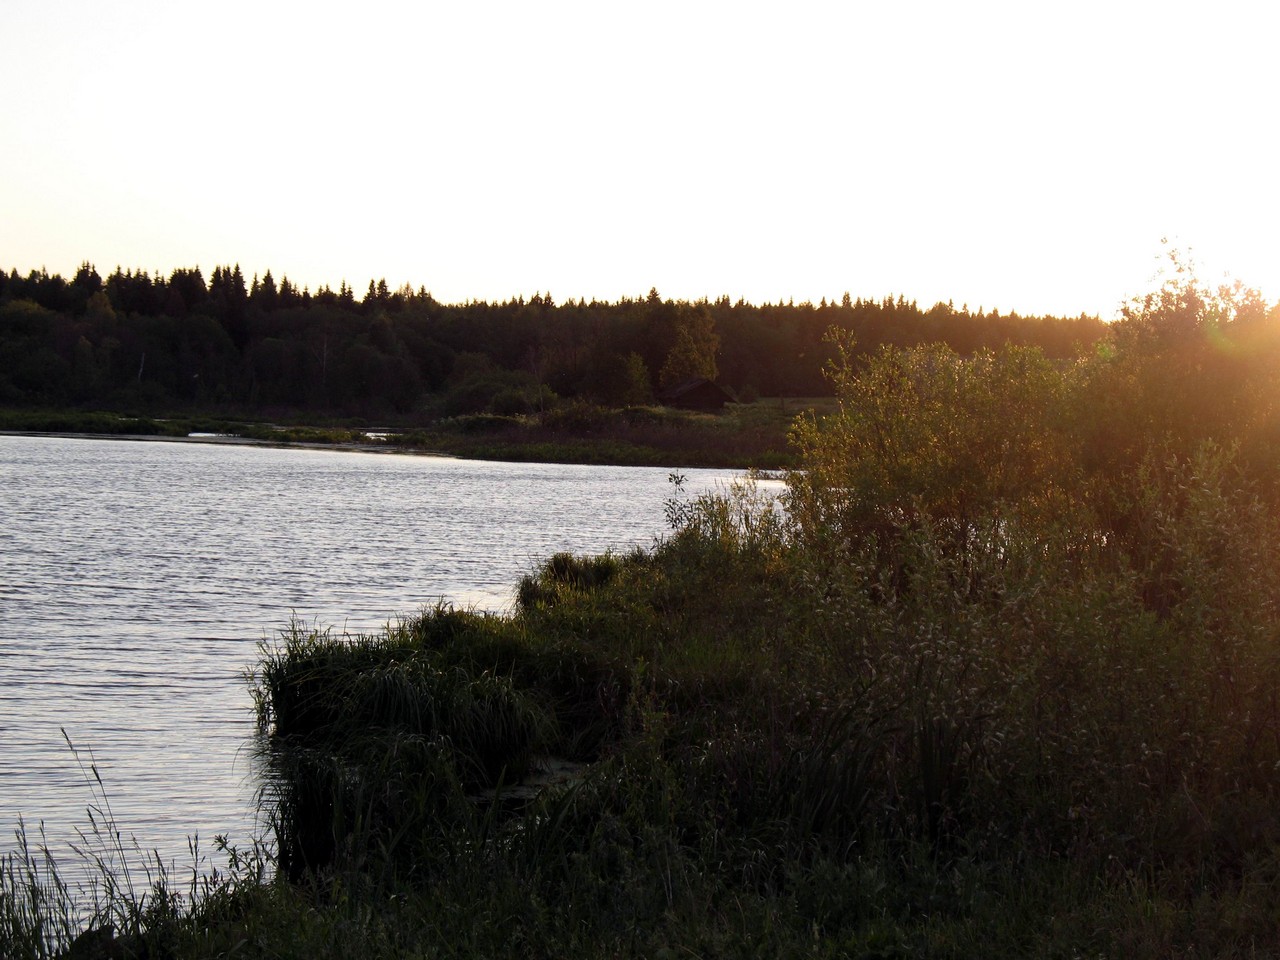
748	436
726	780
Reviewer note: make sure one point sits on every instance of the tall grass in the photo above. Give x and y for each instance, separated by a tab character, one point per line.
111	898
38	910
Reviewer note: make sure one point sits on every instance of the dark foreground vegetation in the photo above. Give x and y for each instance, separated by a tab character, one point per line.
998	678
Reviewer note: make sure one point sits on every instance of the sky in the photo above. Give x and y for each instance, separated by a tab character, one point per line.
1020	156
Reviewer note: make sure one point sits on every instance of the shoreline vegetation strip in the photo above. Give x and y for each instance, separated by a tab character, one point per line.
742	440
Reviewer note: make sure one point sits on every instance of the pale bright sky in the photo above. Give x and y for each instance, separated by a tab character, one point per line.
1019	155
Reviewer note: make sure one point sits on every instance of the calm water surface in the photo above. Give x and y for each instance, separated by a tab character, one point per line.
138	578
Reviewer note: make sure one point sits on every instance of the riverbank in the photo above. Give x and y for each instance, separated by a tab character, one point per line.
138	579
727	746
745	436
1000	681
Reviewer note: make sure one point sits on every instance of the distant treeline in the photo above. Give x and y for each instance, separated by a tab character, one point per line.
148	342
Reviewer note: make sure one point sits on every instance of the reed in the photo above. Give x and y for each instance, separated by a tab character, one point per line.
111	898
38	912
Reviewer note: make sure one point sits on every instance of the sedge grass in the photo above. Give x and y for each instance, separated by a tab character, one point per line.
111	898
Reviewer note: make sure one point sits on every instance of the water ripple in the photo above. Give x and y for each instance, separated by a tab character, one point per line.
137	581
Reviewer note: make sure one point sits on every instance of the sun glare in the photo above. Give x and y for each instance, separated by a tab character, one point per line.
1022	163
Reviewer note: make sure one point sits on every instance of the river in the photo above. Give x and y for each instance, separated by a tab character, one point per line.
137	580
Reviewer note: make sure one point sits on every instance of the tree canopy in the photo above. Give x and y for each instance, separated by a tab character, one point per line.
154	342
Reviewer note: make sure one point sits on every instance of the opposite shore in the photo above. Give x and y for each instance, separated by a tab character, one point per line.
744	436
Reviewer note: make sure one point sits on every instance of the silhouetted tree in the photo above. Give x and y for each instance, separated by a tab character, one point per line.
694	352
